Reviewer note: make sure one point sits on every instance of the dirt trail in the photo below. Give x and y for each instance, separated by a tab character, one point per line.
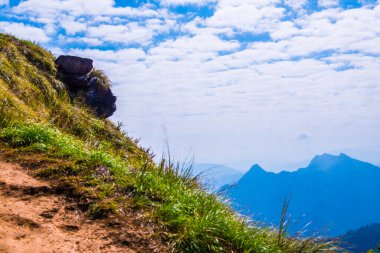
34	219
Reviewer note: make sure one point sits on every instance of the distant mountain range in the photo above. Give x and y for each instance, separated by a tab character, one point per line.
362	239
334	194
214	176
369	154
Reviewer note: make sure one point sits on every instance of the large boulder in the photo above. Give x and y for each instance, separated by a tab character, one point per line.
100	98
76	73
73	65
75	82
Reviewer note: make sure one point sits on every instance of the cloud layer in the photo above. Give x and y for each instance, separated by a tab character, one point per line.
232	81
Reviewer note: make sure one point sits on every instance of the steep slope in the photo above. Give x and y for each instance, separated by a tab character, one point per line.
105	173
334	193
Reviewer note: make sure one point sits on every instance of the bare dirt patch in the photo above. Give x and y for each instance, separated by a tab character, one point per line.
35	219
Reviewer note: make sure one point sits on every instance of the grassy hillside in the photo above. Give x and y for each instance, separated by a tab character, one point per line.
95	162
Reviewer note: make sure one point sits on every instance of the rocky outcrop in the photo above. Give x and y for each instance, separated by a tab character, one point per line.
74	65
76	73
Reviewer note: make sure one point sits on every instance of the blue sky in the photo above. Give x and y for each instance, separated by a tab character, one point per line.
234	82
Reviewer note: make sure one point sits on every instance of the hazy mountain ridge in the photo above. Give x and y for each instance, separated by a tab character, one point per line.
335	193
214	176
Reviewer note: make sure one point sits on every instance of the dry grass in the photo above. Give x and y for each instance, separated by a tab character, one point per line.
104	82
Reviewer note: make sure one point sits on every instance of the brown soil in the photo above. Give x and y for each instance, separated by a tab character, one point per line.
33	218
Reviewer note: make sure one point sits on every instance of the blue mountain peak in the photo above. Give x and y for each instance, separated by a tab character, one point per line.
327	161
344	156
334	191
254	172
256	168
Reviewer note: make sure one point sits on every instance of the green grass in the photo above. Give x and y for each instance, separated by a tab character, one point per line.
97	162
194	220
104	81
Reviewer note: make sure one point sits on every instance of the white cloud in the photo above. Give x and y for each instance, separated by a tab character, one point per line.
4	2
123	56
130	33
200	43
52	8
243	15
284	30
303	136
87	41
186	2
97	21
296	4
72	27
24	31
328	3
332	29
